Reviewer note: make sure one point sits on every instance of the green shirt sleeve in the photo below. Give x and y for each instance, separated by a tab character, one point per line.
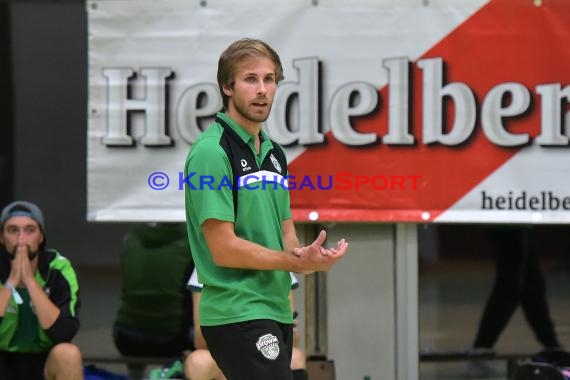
209	186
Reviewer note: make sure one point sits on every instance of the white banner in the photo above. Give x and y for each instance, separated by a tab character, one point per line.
365	102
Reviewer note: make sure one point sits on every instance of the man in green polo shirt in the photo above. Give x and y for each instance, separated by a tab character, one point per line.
241	234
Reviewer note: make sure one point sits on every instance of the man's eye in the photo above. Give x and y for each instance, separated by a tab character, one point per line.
250	79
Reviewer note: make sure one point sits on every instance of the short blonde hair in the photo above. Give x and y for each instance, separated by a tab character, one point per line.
239	51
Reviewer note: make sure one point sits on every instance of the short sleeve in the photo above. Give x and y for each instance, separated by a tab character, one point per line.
208	182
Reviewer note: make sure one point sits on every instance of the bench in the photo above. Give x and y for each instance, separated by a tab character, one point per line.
512	359
136	365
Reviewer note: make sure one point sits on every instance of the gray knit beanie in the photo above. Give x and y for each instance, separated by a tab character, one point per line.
22	208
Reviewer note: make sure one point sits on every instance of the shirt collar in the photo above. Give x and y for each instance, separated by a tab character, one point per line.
242	133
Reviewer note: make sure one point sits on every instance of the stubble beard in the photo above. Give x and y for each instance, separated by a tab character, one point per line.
251	116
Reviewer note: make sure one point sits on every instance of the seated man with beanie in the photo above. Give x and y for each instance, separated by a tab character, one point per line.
38	301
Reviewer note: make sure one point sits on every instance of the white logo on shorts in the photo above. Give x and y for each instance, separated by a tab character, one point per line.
268	345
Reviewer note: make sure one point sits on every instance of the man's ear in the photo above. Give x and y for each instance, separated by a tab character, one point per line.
227	89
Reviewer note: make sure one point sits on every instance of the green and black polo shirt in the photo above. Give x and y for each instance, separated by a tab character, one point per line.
261	205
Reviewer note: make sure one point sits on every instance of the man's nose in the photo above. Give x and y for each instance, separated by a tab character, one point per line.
22	237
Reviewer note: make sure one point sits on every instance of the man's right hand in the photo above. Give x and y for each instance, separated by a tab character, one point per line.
20	261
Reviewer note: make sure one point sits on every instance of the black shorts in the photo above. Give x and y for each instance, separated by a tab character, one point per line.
22	366
252	350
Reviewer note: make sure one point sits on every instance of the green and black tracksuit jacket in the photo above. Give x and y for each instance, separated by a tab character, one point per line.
20	330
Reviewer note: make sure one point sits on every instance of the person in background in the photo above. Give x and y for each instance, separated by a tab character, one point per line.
39	301
199	364
519	281
155	313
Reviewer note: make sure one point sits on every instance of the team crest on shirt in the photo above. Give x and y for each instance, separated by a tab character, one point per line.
275	162
268	345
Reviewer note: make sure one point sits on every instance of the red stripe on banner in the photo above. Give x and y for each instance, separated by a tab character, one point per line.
505	41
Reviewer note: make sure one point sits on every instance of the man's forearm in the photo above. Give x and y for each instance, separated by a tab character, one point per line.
46	311
229	250
5	295
241	253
